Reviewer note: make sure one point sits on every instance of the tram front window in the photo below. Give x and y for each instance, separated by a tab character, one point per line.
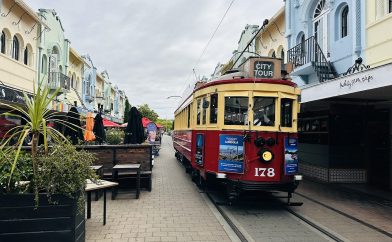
264	111
286	115
236	110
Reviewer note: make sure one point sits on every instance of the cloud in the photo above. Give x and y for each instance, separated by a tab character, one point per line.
150	47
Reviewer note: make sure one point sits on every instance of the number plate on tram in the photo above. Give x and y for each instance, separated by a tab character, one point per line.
264	172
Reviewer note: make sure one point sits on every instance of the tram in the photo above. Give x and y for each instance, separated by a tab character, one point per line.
241	129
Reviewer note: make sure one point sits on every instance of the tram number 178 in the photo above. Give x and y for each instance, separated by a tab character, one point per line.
263	172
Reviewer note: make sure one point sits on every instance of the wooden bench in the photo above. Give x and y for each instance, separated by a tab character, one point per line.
111	155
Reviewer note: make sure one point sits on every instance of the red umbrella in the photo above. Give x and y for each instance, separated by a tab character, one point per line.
107	123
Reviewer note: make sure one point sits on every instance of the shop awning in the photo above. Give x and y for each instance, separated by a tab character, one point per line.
108	123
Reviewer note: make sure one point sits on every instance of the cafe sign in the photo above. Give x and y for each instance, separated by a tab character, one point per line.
263	69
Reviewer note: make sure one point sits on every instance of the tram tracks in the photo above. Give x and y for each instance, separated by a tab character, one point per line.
386	233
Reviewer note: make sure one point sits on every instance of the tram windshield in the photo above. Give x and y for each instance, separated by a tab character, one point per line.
264	111
236	110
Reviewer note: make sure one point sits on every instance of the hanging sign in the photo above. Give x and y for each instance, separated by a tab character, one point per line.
290	156
199	149
231	153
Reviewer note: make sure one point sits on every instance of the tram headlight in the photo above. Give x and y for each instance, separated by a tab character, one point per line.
265	155
270	141
259	142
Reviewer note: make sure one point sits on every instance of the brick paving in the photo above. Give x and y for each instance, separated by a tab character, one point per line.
173	211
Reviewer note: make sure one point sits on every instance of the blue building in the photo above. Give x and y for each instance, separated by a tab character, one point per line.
88	84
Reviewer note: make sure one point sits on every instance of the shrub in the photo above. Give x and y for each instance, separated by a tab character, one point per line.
114	136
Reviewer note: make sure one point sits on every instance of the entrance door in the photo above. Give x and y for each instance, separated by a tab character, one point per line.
378	148
52	69
320	26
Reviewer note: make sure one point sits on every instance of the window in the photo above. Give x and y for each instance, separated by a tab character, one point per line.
26	56
2	42
198	111
319	8
344	30
214	109
264	111
286	112
273	55
204	111
236	110
15	48
390	6
189	116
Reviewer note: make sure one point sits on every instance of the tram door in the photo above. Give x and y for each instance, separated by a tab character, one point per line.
378	149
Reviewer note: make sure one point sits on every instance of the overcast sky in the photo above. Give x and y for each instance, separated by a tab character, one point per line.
149	47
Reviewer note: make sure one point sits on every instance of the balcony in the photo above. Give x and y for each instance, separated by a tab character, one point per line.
57	80
308	58
89	98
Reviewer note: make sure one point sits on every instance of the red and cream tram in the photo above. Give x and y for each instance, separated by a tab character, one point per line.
242	128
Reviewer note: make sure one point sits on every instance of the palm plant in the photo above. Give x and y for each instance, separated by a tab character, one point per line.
36	115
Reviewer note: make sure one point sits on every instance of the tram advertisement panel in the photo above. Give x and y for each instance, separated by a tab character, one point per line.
199	149
290	156
231	153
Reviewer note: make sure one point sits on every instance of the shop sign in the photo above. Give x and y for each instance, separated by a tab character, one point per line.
290	156
263	69
152	132
199	149
231	153
11	95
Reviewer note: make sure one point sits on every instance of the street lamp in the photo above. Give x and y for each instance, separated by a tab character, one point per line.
173	97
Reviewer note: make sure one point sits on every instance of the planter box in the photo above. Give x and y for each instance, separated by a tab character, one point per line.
20	221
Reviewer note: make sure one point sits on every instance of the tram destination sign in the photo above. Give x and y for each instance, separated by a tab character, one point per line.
263	69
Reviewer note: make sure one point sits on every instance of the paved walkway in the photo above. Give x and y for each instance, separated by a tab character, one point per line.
173	211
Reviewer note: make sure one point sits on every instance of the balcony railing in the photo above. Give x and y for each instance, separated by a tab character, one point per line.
309	51
59	80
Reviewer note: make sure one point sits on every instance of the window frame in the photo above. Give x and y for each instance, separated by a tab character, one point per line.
212	110
344	21
15	48
2	43
26	55
235	94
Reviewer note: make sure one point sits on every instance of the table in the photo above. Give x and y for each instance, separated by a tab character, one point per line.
126	167
100	185
99	171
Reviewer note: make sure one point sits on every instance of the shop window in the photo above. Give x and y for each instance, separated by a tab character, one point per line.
264	111
344	22
15	48
236	110
214	109
198	111
204	111
286	112
2	42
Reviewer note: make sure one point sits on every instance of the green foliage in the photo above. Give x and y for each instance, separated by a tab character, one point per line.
126	110
64	171
115	136
147	112
22	172
166	123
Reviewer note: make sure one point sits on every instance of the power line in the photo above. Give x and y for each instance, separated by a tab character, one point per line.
213	34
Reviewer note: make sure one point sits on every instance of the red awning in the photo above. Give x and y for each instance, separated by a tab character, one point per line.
145	121
108	123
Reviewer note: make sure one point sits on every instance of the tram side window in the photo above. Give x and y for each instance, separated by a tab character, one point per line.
236	110
286	112
204	111
264	111
189	117
214	109
198	111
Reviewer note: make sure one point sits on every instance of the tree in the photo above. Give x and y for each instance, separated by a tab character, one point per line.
167	123
147	112
126	110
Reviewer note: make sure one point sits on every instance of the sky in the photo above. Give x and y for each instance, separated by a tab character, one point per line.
150	47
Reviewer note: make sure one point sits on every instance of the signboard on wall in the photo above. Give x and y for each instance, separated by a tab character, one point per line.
263	69
199	159
231	153
11	95
290	156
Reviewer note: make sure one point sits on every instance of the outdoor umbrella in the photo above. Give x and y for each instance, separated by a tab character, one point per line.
134	132
73	127
109	124
99	130
88	134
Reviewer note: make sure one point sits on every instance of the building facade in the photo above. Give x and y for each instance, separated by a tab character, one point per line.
18	49
88	83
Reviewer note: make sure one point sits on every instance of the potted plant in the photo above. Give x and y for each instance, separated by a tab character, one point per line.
41	187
